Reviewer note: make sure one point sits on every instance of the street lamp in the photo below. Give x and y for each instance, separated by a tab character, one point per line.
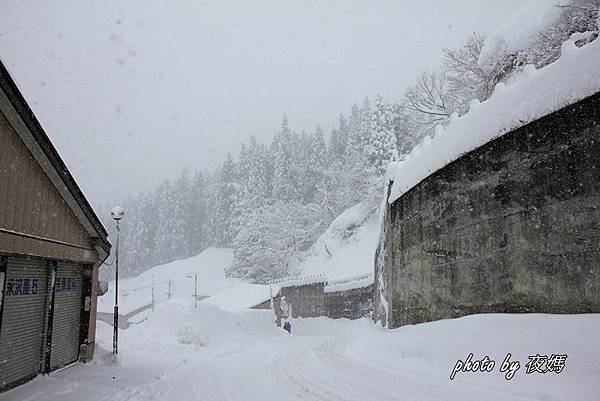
117	214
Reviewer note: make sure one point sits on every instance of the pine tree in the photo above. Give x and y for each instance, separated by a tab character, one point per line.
356	141
316	162
165	246
258	180
198	217
382	143
223	223
285	179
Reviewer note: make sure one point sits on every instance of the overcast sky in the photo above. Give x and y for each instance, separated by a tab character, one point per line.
131	92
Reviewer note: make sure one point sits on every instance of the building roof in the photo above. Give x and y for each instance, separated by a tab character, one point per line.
242	296
34	137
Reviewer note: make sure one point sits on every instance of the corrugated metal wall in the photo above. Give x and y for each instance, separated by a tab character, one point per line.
40	317
66	316
23	320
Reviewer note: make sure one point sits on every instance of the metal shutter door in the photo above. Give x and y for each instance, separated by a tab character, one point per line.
23	320
64	348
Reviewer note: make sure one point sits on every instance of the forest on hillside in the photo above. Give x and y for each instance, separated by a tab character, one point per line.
272	201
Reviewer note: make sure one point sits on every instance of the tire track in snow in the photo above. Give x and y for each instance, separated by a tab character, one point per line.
325	370
308	373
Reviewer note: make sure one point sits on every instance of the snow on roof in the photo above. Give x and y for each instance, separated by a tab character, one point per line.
526	97
242	296
351	283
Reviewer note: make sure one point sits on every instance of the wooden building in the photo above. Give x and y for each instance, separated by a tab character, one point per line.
51	246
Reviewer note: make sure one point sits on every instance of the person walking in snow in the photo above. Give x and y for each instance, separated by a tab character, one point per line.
286	309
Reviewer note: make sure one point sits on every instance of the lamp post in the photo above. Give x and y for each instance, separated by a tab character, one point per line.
117	214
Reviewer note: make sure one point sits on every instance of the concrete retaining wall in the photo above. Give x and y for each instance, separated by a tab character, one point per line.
311	300
513	226
349	304
306	300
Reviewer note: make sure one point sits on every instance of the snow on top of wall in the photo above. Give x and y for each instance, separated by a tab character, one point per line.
521	30
528	96
351	283
300	281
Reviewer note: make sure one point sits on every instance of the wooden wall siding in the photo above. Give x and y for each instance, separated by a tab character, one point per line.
30	204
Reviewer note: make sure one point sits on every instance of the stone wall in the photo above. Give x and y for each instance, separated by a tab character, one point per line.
307	300
350	304
312	300
513	226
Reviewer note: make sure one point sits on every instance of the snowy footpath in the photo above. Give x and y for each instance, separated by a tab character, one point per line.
180	353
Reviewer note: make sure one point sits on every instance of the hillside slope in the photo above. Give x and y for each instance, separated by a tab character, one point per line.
347	248
136	292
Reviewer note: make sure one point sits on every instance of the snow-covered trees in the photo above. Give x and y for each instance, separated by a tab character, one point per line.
225	216
273	200
272	239
466	79
381	148
284	157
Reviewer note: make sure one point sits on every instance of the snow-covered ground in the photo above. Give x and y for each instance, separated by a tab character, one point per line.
182	353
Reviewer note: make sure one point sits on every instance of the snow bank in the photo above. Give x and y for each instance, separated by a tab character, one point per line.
526	97
136	292
347	247
177	322
420	358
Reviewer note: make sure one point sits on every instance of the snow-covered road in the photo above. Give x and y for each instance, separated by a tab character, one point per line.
181	353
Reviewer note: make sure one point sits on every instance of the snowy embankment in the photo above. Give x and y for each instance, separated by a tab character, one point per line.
347	248
182	353
525	97
136	292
